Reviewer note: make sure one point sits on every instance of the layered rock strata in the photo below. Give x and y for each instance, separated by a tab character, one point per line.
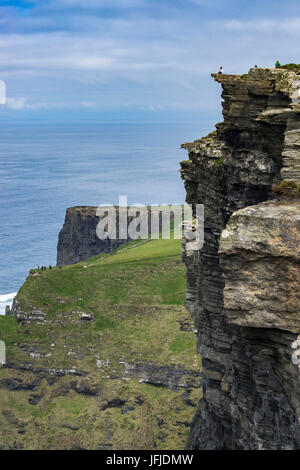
243	285
78	239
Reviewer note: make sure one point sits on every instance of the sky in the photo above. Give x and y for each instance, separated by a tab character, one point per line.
135	57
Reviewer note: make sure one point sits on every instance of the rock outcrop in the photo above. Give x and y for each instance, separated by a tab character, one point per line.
260	259
78	241
243	286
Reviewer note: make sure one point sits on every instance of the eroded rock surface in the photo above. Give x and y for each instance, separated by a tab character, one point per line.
260	259
250	384
78	240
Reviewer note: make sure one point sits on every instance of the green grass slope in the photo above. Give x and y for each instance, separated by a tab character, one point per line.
127	378
293	67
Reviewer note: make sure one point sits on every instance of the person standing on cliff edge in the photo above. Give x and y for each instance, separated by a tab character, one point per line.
221	70
277	64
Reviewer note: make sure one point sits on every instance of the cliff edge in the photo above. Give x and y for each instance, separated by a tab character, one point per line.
78	241
243	285
100	354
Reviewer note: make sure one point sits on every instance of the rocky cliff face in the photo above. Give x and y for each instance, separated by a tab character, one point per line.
78	241
243	286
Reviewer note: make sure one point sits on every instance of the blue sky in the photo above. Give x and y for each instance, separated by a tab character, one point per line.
91	57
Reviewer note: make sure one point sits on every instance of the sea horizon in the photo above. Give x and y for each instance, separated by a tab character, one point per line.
47	167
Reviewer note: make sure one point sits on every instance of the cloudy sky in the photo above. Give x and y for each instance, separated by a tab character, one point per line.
131	56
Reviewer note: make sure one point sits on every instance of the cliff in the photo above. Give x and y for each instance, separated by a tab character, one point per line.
243	285
78	241
100	354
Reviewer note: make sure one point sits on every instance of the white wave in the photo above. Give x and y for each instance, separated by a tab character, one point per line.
6	299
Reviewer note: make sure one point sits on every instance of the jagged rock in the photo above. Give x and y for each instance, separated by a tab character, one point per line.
260	258
78	240
169	376
87	316
18	384
251	396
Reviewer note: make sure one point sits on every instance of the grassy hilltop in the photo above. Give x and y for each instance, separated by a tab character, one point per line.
102	354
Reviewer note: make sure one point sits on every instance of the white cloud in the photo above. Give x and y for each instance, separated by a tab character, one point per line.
288	25
138	58
88	104
16	103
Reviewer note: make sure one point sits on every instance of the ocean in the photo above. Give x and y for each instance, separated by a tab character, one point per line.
46	167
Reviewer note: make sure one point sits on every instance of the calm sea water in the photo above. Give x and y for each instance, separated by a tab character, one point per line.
46	168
